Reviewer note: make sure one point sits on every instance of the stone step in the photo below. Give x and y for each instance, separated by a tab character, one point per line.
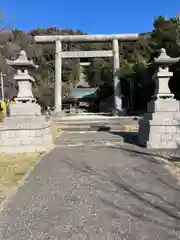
95	123
74	121
83	117
99	127
84	123
81	128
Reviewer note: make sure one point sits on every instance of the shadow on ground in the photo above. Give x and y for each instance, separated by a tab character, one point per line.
145	205
172	155
129	137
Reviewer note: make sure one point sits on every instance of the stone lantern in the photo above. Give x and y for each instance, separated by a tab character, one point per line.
25	101
160	126
25	129
162	76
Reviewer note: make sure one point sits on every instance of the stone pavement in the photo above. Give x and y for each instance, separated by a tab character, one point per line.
94	191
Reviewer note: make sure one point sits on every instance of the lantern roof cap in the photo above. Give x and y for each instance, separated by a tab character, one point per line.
164	59
21	61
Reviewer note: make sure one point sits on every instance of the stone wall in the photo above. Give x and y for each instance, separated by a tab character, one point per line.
23	135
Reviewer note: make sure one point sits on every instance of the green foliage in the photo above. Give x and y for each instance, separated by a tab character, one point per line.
178	31
74	74
134	58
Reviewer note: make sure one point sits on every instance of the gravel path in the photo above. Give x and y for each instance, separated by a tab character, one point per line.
94	192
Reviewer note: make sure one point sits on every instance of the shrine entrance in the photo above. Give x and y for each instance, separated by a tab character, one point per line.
114	53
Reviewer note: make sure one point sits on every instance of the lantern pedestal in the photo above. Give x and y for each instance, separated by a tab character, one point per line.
24	109
160	126
25	134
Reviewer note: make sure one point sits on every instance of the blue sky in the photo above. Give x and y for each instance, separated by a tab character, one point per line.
94	16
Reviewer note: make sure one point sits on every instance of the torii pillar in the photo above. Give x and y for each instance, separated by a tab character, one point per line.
116	79
58	78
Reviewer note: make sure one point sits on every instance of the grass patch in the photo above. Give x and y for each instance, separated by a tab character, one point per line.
174	170
56	130
177	164
13	168
172	167
130	128
1	117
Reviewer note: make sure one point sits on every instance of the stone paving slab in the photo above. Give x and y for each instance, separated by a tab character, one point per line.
94	192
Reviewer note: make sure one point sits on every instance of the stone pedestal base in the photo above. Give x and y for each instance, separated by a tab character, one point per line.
58	114
116	112
24	109
25	134
160	129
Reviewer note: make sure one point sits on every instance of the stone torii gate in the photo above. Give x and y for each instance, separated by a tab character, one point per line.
58	39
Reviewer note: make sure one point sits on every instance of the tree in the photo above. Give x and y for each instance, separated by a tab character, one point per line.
178	31
133	59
